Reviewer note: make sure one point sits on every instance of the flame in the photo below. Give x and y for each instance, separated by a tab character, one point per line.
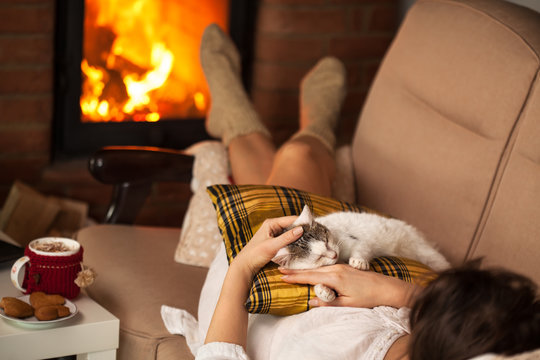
141	59
200	101
138	90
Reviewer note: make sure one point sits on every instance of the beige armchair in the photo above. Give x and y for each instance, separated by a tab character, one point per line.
448	140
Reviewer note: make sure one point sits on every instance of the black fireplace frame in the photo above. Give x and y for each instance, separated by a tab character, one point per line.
72	138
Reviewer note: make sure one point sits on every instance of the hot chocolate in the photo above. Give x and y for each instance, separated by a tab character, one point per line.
50	265
51	247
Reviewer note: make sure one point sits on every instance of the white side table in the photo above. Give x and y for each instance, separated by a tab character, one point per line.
92	334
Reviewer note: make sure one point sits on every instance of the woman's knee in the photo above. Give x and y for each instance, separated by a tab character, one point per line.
303	165
298	151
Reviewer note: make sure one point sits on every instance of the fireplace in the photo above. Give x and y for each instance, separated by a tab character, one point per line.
290	36
120	80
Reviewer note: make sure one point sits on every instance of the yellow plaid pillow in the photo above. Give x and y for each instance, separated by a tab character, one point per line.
241	210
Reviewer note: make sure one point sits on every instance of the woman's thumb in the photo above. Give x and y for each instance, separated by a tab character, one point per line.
292	235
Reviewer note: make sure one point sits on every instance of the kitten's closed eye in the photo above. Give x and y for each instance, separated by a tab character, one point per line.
331	254
316	247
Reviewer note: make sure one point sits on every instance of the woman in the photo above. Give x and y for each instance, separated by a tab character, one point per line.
463	313
446	323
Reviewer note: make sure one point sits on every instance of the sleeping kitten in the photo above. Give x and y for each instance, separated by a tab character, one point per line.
354	238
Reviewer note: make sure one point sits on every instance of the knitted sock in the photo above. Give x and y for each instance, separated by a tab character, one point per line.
231	113
322	92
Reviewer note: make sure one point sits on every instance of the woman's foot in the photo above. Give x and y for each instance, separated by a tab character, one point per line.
322	92
231	113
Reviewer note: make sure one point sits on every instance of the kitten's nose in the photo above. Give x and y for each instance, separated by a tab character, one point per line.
332	254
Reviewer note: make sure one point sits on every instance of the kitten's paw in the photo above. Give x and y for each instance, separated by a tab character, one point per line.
359	263
324	293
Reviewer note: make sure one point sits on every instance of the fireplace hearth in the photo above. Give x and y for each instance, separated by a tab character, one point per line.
77	134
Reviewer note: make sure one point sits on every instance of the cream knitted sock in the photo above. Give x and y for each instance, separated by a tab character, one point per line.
231	113
322	92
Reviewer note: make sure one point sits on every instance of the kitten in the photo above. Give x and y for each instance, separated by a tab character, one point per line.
354	238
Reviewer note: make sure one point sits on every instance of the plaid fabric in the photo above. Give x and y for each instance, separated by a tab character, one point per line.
406	269
241	210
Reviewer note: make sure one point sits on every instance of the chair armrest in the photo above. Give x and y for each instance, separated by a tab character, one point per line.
132	170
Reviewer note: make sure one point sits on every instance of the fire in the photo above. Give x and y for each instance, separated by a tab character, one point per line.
141	59
138	90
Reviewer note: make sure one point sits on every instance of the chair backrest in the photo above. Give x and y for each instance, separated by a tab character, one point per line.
449	137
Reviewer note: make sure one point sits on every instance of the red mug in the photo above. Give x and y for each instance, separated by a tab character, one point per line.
51	265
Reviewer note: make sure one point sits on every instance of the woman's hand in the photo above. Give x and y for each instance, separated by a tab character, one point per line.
356	288
229	323
264	244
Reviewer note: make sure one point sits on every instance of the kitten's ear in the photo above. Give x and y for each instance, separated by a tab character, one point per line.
306	217
282	257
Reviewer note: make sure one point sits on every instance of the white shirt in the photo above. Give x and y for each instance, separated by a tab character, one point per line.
321	333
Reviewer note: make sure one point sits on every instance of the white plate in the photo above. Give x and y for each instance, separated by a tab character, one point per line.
33	320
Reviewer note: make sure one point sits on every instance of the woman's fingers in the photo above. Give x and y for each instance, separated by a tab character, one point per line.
281	223
328	275
289	236
274	226
273	229
355	288
320	270
263	246
301	277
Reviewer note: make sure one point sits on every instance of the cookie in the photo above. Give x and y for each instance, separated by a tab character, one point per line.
39	299
16	308
63	311
51	312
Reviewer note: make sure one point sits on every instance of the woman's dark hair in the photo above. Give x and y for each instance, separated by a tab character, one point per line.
467	312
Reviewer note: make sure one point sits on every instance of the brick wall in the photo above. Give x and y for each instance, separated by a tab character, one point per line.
291	36
26	59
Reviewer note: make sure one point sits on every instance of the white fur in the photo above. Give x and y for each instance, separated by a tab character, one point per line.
359	237
324	293
379	236
305	217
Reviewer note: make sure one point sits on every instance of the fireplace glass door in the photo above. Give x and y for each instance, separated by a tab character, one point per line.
128	71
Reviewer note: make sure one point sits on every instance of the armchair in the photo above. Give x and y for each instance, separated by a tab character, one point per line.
448	140
131	170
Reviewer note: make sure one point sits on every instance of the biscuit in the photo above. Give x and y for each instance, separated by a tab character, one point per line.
16	308
39	299
51	312
63	311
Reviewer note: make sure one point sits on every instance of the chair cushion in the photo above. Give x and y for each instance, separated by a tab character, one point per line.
200	238
241	210
440	115
136	274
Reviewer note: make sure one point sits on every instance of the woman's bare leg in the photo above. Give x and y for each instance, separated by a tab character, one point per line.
306	161
251	157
